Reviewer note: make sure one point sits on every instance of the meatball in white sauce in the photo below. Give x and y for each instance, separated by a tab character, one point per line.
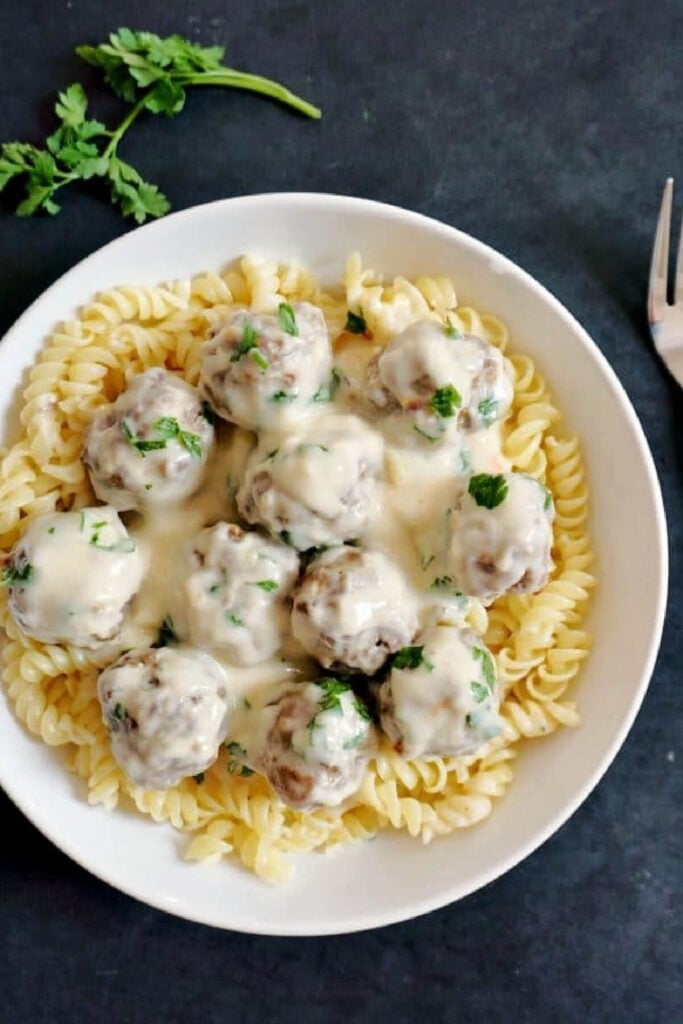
166	712
259	370
501	536
235	590
353	609
315	487
441	698
72	576
312	741
148	450
435	383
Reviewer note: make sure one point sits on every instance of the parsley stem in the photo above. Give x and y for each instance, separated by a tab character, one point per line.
119	132
251	83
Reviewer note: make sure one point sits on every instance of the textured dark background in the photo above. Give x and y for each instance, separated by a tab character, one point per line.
545	129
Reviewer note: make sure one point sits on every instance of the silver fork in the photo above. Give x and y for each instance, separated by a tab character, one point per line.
666	320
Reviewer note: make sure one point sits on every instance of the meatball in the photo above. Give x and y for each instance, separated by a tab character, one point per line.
316	488
501	535
72	576
260	370
437	383
312	741
166	712
441	698
235	590
353	609
148	450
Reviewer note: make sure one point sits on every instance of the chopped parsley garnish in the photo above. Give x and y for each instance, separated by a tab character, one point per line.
355	741
199	778
51	529
355	322
167	429
411	657
125	546
259	359
327	392
469	721
285	315
286	538
248	345
246	703
488	410
96	531
445	401
148	487
488	490
450	330
332	690
271	455
363	712
12	574
479	692
268	585
283	396
119	712
487	666
447	584
309	446
233	619
423	433
166	635
464	461
547	496
235	767
426	561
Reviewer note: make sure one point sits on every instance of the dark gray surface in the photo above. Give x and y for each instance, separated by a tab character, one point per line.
546	130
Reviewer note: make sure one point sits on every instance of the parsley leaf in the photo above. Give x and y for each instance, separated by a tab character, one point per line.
236	750
248	345
268	585
479	692
285	315
168	429
13	574
199	778
487	666
446	583
445	401
488	490
450	330
355	322
279	397
423	433
411	657
488	410
153	75
327	392
233	619
332	690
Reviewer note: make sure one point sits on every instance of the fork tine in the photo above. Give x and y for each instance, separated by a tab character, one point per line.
678	284
660	257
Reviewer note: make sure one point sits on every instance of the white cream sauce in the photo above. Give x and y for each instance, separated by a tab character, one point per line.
342	464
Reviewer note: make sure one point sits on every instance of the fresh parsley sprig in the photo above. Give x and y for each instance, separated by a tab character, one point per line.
153	75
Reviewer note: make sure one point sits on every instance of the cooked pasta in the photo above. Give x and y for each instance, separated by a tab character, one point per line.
538	640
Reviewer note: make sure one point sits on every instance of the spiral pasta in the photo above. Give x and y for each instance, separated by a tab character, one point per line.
538	640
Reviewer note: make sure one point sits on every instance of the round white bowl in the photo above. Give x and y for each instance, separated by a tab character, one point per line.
393	877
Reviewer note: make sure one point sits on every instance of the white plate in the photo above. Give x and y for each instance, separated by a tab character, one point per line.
393	877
